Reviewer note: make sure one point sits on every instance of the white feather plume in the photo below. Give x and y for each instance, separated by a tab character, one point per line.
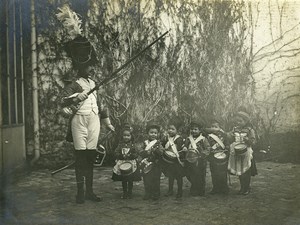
70	21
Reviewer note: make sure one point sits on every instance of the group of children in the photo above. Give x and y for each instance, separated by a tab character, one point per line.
175	157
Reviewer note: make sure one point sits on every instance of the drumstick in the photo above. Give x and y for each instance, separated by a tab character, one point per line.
182	151
65	167
72	163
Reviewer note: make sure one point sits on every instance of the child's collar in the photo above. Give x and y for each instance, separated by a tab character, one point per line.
150	140
196	136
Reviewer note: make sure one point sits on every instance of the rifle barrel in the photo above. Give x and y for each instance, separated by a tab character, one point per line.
107	79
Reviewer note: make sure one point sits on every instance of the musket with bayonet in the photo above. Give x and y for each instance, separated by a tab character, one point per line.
74	103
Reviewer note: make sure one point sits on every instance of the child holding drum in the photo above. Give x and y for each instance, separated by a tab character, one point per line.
218	159
126	168
151	171
197	150
172	158
241	162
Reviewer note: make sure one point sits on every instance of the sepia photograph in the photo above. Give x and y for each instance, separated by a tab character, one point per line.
150	112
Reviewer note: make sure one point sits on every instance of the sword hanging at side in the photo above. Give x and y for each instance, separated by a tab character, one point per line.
74	101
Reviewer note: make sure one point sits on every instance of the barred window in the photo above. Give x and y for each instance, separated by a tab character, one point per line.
11	63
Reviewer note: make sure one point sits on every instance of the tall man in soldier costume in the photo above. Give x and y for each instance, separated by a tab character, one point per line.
84	126
85	120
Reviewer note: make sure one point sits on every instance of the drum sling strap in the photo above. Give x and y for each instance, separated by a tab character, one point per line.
149	144
218	140
194	142
174	148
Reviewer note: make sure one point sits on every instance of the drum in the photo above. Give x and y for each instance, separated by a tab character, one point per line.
240	149
220	158
146	166
192	156
169	157
101	154
126	168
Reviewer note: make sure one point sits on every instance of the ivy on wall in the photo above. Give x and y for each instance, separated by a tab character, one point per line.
200	70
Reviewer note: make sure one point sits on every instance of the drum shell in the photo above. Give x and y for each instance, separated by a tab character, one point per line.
240	149
169	157
126	171
146	166
192	156
220	160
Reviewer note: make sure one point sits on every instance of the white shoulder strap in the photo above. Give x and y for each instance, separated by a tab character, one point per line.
194	142
217	139
150	144
172	144
168	144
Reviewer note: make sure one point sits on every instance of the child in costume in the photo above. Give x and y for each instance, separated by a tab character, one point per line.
197	150
241	162
218	159
126	155
151	154
173	157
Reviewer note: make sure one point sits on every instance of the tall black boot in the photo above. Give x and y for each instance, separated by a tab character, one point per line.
79	173
89	176
80	193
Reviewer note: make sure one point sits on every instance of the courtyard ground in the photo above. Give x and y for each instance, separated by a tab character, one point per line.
37	198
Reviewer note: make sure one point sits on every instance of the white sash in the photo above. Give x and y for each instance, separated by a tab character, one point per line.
171	141
174	147
194	142
149	144
172	144
217	139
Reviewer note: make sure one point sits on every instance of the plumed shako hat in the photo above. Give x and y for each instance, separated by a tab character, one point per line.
79	48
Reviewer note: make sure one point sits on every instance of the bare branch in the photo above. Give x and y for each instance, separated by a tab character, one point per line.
115	100
152	107
278	39
291	96
259	57
270	27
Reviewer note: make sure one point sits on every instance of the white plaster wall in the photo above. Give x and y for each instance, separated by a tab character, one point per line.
277	74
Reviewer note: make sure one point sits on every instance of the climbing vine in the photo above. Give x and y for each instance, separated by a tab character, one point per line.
200	70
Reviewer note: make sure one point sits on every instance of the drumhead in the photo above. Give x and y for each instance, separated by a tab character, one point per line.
240	146
170	154
192	156
220	155
126	166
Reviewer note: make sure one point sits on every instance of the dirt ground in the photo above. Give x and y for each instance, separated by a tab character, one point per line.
39	198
